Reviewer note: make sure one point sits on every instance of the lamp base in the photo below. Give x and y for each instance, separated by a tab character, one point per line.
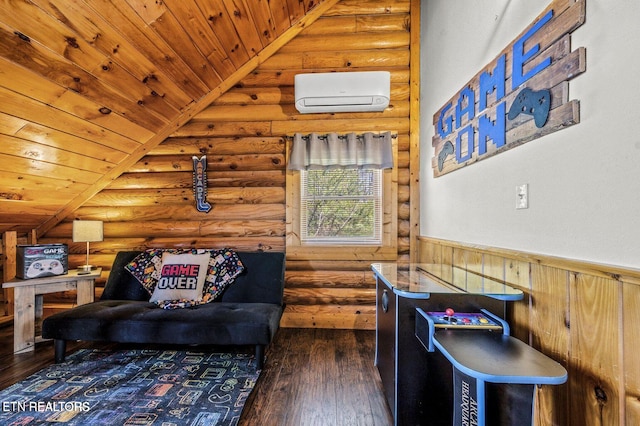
84	269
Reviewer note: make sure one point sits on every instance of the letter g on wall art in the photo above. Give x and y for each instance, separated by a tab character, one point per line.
520	96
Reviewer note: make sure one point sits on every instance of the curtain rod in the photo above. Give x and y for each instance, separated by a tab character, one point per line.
343	136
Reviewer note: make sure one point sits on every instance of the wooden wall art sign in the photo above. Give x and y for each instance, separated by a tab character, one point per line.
200	183
520	96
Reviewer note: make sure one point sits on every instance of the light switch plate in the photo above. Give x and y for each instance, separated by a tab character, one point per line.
522	196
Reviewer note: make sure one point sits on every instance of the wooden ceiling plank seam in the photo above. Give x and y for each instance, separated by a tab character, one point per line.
34	86
75	104
260	14
10	125
176	36
97	31
245	27
189	112
279	11
38	58
139	35
197	27
308	5
18	105
41	29
17	181
149	11
27	18
10	208
39	196
135	90
155	16
220	22
44	169
296	10
50	154
57	139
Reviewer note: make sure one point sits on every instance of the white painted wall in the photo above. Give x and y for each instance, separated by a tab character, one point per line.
584	181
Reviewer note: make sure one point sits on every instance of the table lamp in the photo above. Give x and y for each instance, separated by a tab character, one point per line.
86	231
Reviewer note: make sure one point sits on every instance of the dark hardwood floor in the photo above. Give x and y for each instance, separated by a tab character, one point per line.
311	377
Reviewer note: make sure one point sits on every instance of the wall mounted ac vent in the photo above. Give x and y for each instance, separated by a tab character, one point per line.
363	91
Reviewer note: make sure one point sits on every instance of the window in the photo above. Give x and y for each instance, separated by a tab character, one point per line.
341	206
342	213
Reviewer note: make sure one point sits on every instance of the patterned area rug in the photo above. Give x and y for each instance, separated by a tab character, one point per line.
134	387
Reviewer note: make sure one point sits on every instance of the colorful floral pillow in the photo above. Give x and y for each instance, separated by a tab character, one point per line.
146	267
224	267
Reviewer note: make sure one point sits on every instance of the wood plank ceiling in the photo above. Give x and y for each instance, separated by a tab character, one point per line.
87	87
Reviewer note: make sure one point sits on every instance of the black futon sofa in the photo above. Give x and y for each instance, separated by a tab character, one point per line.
247	313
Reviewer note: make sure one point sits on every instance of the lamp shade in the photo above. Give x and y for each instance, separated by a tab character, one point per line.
87	230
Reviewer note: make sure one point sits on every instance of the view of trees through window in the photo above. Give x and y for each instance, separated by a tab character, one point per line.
341	205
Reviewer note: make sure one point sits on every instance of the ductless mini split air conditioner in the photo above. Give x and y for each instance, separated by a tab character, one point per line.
363	91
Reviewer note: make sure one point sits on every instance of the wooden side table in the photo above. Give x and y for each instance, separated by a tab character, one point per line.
26	293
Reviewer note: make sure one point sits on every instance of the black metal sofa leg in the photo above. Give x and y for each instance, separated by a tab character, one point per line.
60	347
259	356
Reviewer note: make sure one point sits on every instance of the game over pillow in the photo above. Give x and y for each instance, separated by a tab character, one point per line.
224	266
181	278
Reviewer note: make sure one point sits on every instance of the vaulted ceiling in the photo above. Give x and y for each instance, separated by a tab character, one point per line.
87	87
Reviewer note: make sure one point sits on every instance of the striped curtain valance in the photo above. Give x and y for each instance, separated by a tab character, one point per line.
328	151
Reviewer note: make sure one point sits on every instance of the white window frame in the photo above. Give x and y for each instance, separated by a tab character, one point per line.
386	250
376	197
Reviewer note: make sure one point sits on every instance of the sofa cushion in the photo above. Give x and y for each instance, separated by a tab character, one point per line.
145	322
182	278
261	281
121	285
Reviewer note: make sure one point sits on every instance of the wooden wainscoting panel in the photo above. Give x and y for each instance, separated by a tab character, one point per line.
583	315
550	310
550	334
631	351
493	267
595	349
517	275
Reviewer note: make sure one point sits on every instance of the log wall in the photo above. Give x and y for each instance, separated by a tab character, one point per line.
243	133
583	315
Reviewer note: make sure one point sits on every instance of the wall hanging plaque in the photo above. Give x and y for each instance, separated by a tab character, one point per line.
520	96
200	183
